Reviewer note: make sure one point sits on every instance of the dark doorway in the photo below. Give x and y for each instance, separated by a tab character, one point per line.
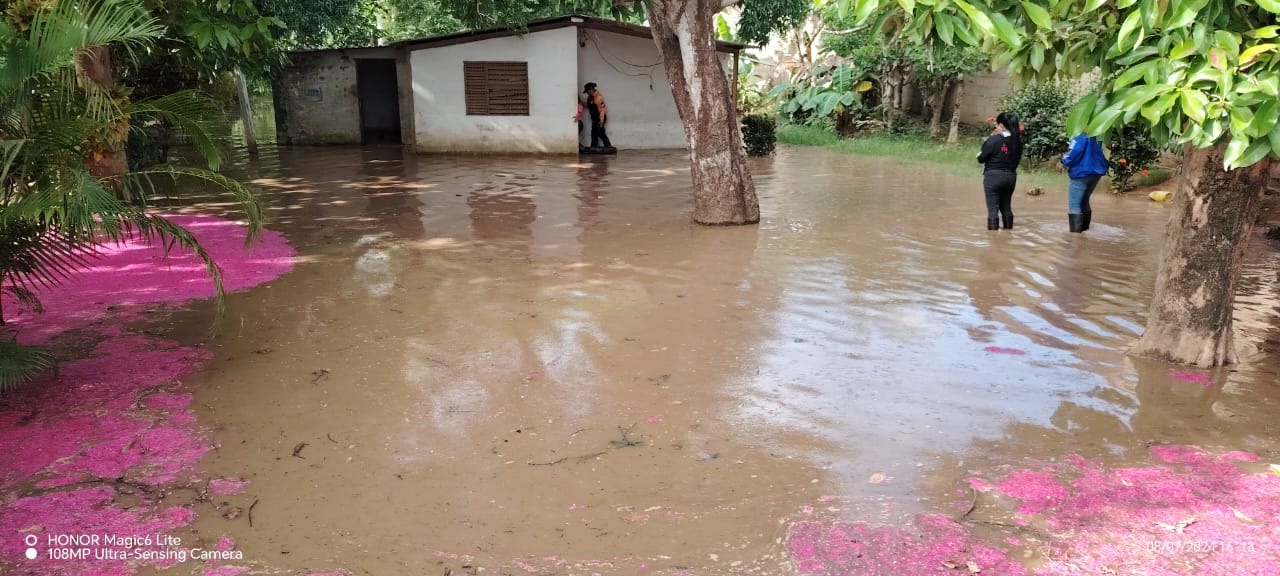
379	101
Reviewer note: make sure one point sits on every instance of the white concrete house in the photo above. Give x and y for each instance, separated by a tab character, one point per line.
498	91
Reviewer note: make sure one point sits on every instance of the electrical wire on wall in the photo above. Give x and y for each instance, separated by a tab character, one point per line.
601	51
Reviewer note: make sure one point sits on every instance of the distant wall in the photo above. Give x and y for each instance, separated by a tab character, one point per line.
316	99
441	123
982	95
981	99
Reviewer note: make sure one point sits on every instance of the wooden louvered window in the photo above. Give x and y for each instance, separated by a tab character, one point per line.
496	88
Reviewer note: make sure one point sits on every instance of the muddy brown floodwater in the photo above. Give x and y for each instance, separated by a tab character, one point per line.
539	365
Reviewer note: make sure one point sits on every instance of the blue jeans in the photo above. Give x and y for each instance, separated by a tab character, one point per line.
1079	192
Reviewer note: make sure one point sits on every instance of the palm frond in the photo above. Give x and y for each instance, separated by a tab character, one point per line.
97	101
54	213
27	300
60	36
77	205
19	364
139	182
9	150
171	235
192	113
122	23
32	256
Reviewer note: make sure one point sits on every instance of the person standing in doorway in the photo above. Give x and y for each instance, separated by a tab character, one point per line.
599	115
1086	164
1000	155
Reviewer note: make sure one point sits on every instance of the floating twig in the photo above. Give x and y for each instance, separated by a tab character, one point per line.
297	450
626	441
553	463
973	503
255	503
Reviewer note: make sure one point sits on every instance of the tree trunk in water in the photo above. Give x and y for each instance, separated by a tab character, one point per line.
722	187
246	113
1213	215
953	137
110	161
936	100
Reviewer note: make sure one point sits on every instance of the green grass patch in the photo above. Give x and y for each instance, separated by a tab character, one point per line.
959	159
1158	175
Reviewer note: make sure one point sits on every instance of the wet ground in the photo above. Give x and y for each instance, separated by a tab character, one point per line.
541	366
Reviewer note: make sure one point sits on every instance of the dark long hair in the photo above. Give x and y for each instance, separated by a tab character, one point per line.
1011	122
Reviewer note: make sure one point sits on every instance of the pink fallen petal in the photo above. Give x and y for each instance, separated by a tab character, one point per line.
226	571
1200	378
1240	456
227	486
857	549
980	484
1000	350
120	410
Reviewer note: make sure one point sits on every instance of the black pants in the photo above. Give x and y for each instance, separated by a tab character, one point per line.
597	133
998	186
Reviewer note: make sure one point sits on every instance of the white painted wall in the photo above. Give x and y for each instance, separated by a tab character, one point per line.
439	107
629	72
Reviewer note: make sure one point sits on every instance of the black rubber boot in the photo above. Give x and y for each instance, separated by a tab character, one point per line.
1008	222
1075	222
1088	218
993	223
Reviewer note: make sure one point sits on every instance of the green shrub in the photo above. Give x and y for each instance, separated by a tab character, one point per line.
1154	176
1042	108
759	134
1132	152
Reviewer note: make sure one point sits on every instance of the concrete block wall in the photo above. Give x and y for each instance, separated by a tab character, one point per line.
316	98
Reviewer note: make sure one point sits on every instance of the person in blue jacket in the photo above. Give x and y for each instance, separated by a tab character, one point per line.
1086	164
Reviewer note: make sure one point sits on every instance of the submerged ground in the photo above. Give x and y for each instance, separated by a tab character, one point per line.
540	366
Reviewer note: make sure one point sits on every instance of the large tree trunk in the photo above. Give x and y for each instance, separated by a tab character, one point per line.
722	187
953	137
108	160
936	99
1213	215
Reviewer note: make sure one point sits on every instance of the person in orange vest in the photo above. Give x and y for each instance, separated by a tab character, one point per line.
599	115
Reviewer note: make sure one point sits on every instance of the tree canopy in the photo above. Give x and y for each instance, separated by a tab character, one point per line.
1195	72
759	17
324	23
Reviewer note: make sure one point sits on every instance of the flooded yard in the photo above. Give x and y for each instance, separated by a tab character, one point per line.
541	366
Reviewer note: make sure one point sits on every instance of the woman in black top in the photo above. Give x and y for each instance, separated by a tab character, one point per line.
1000	156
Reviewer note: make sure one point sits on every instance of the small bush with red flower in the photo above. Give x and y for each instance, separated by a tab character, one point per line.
1133	152
1042	107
